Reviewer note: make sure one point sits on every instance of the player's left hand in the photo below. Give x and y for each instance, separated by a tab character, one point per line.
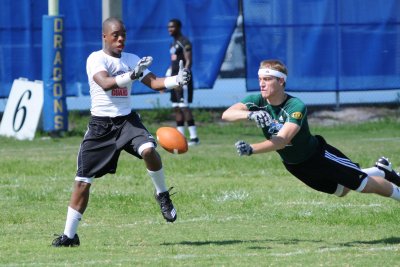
143	64
184	75
243	148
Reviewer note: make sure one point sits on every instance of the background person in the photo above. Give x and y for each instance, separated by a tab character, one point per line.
113	126
283	121
181	49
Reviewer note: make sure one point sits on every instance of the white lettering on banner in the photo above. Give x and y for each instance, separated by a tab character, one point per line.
22	112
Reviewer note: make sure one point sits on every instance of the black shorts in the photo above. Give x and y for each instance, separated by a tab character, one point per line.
327	168
182	97
105	139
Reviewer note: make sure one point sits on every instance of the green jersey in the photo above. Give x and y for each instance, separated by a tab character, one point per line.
303	144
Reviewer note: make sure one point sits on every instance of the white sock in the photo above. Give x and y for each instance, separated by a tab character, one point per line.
158	179
71	225
192	131
374	171
396	193
181	129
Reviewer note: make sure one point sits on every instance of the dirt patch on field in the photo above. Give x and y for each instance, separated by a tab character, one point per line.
352	115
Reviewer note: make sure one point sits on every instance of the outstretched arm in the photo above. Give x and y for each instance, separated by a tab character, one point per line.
239	111
279	141
158	83
284	137
108	82
105	81
236	112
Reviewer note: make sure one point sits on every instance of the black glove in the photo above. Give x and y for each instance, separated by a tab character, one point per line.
243	148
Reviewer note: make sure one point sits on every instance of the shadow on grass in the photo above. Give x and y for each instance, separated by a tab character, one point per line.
390	240
234	242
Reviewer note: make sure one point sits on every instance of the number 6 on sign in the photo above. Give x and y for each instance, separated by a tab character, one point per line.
24	107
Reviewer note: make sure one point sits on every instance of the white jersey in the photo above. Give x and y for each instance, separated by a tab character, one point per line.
115	102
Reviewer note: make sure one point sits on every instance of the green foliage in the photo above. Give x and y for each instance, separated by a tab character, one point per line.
156	115
232	211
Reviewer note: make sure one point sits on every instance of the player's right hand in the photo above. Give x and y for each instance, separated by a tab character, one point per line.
260	117
143	64
243	148
184	75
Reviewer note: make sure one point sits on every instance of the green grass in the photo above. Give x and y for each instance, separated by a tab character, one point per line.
232	211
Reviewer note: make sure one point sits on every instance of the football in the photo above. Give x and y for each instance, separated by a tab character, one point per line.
172	140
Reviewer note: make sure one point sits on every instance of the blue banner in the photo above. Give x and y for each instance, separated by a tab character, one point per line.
208	24
55	113
327	45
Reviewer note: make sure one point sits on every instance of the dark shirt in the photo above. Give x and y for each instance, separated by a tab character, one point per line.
177	49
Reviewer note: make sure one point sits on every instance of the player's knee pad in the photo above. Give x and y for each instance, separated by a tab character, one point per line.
339	190
363	184
87	180
183	105
144	146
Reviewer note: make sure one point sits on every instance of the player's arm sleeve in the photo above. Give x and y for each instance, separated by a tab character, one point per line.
95	65
187	53
297	113
187	45
251	102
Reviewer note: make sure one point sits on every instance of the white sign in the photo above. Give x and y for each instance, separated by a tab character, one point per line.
23	109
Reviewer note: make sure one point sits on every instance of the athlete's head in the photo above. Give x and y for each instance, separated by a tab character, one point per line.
114	36
272	76
174	27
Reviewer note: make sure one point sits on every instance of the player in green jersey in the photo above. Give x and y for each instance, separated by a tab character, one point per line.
283	121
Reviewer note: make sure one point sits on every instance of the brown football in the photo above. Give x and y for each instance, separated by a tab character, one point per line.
172	140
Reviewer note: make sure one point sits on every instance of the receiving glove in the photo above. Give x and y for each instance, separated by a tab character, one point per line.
183	76
243	148
143	64
261	118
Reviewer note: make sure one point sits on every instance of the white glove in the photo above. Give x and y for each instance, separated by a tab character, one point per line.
183	76
143	64
261	117
243	148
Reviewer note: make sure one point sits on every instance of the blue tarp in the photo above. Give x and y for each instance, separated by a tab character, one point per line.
328	45
208	24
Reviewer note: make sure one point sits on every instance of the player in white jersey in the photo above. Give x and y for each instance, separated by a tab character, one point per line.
113	126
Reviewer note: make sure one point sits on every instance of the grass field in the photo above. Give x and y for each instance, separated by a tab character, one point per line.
232	211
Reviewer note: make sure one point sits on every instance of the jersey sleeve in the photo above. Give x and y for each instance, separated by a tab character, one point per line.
252	102
95	64
187	45
297	111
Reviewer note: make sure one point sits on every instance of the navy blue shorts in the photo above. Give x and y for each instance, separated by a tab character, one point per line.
104	140
327	168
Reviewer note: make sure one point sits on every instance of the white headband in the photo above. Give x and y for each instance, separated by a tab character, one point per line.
271	72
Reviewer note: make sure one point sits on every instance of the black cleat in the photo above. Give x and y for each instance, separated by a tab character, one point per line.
386	166
194	142
64	241
167	208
